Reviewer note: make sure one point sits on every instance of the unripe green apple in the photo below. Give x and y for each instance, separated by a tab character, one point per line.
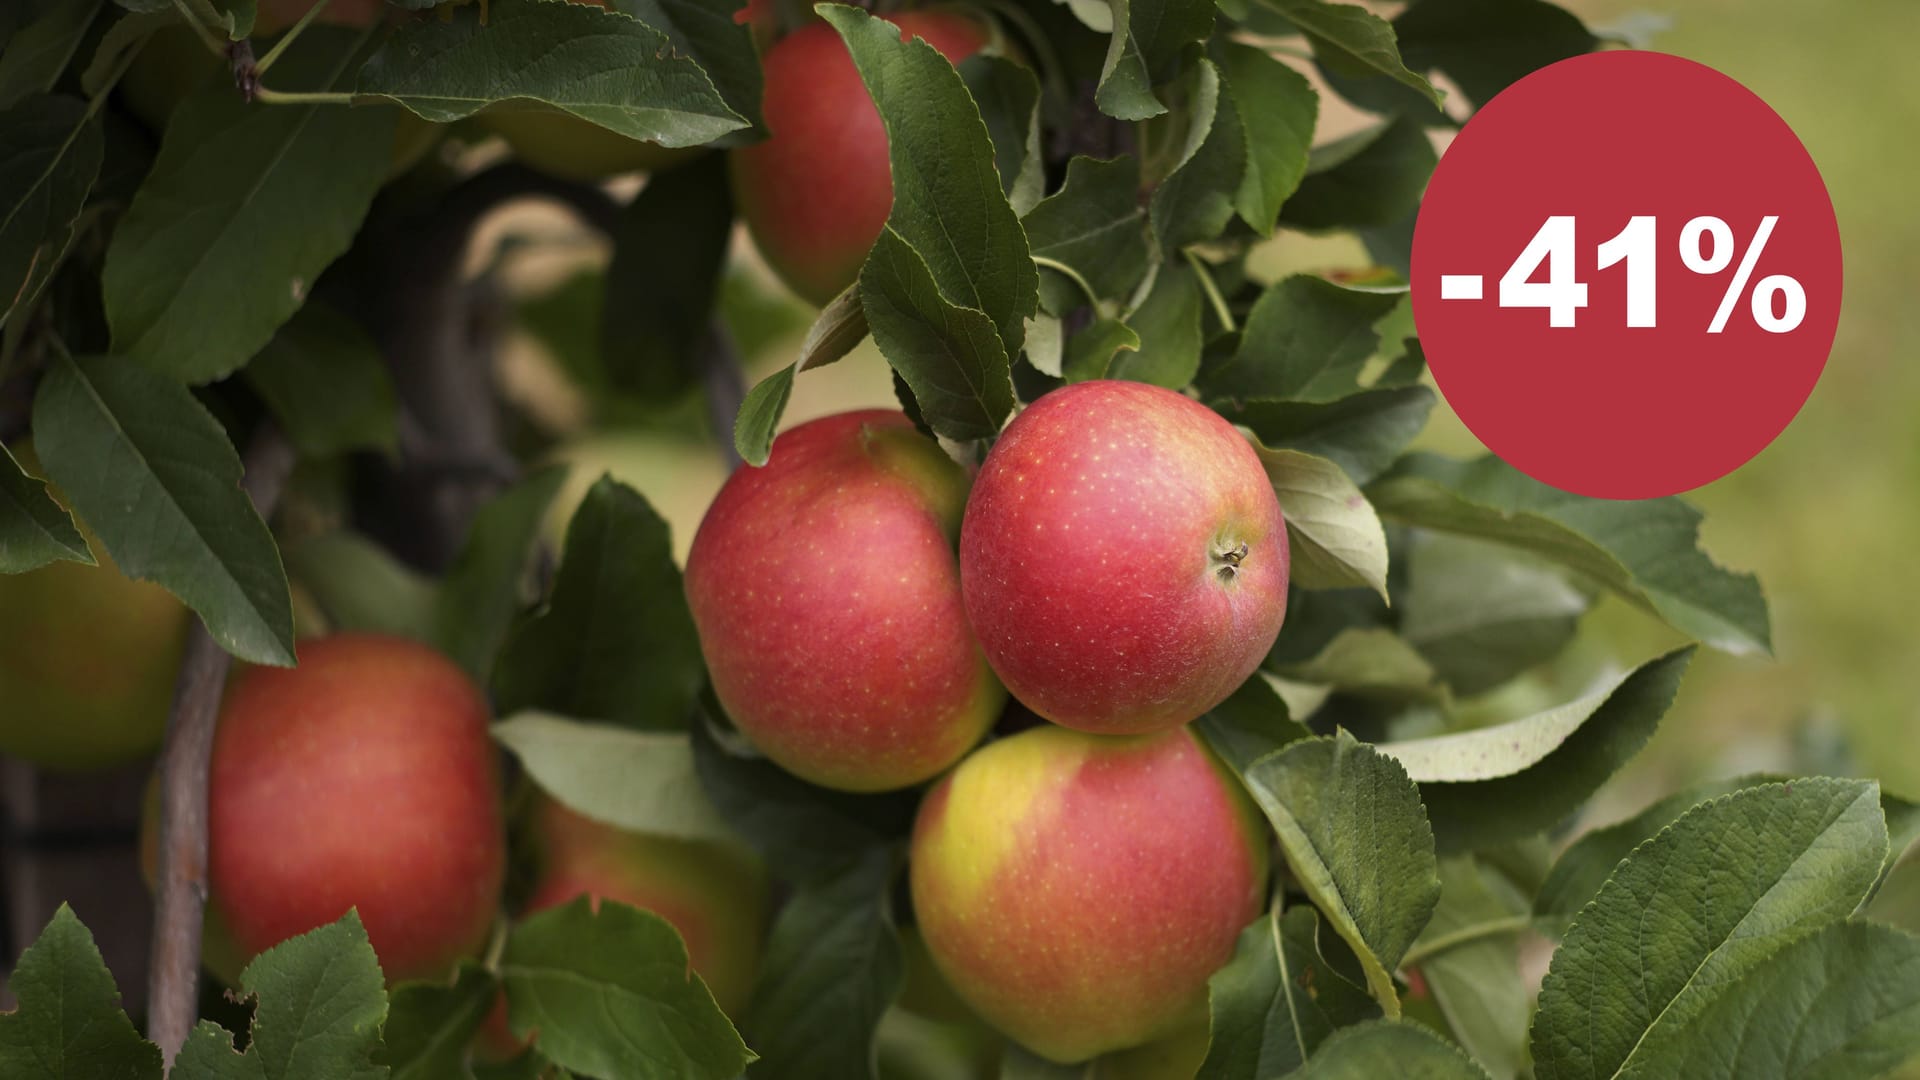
826	596
1124	558
88	659
1078	890
816	192
364	778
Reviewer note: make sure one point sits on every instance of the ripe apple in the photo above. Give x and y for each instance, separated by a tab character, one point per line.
1123	557
1077	890
715	895
827	600
363	778
816	192
87	664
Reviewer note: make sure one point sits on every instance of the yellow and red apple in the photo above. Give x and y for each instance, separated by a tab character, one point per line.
1078	890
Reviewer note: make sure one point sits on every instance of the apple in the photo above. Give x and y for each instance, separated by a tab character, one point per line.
364	778
827	599
713	893
1078	890
1176	1057
817	191
574	149
1123	558
716	895
88	659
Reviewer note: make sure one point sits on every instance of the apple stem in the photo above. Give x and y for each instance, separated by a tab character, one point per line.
181	866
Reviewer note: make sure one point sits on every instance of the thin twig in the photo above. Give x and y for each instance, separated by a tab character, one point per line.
181	869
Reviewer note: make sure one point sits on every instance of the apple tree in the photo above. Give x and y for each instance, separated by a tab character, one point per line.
1278	766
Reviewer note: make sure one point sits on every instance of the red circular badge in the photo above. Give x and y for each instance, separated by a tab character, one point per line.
1626	275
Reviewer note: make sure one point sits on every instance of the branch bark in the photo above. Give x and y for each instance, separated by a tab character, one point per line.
181	867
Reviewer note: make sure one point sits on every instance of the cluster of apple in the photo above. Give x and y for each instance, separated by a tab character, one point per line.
1119	564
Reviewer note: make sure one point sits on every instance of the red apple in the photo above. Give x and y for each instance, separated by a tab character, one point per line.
365	779
1123	558
816	193
713	894
1078	890
827	600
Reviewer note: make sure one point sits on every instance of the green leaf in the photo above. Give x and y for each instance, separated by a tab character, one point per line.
50	154
1370	661
319	1003
430	1025
1378	1048
1493	785
1351	39
1355	836
833	964
948	206
359	586
1196	200
611	994
1168	325
1841	1003
1093	224
151	472
1485	46
244	208
668	251
69	1024
759	416
641	781
1277	108
1580	871
1698	908
840	326
1148	39
1104	349
36	54
616	641
1276	1001
1476	981
600	66
950	356
1333	534
1482	616
802	831
1373	177
485	587
1363	433
34	530
1008	96
1645	551
1252	723
1305	340
326	383
1896	901
707	32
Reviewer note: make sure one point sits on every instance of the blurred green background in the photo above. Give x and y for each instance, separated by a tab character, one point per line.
1827	514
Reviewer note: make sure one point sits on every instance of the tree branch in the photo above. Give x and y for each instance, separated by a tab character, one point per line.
181	868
